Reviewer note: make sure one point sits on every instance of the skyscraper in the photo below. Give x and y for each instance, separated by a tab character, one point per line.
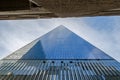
59	55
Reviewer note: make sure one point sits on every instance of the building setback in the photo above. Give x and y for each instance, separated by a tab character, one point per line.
59	55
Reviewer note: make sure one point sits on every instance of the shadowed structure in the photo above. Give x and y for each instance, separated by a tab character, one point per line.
30	9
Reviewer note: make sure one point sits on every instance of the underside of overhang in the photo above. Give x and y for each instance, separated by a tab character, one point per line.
30	9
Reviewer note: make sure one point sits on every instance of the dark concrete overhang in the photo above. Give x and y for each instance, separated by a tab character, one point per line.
30	9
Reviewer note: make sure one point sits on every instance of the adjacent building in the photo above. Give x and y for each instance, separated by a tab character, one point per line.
36	9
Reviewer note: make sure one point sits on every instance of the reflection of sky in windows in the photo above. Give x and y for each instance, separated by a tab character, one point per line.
61	43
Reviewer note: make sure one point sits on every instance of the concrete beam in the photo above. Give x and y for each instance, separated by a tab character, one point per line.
62	8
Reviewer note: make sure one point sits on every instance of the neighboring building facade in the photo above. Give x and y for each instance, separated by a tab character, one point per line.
33	9
59	55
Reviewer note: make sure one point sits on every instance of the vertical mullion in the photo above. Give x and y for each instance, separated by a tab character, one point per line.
47	71
37	76
93	70
82	73
105	70
44	71
108	68
19	68
71	77
75	71
5	76
41	71
86	73
89	70
23	70
67	72
55	78
117	73
97	67
78	72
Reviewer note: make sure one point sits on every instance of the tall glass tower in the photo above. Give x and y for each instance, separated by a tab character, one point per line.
59	55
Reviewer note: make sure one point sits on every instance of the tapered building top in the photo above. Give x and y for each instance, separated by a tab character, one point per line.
60	43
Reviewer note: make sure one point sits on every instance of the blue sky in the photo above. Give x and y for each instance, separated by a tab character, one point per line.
103	32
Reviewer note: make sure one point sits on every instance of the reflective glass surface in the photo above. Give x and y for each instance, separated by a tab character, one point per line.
62	43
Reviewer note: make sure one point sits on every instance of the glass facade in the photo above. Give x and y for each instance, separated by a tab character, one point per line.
59	55
59	70
60	43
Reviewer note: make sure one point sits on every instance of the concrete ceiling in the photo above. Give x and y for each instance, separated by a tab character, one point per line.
29	9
